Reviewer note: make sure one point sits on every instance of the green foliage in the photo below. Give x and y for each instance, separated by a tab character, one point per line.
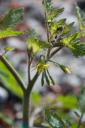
13	17
36	45
54	120
47	4
53	13
55	26
67	28
81	99
68	102
8	80
6	119
59	35
9	33
74	44
36	98
8	49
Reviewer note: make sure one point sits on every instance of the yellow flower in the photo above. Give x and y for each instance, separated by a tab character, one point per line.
42	67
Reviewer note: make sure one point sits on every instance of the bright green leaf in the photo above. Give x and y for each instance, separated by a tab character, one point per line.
56	25
9	80
6	119
8	49
8	33
36	98
68	102
68	40
67	28
36	45
55	12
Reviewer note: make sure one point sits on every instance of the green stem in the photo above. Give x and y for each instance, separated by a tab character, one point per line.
55	51
26	111
26	102
79	123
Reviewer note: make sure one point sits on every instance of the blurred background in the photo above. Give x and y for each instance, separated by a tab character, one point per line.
10	103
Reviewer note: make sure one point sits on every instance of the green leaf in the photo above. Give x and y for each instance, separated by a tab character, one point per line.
80	19
73	43
70	39
13	17
47	4
68	102
6	119
67	28
56	25
8	49
54	120
36	98
36	45
9	80
78	49
54	13
8	33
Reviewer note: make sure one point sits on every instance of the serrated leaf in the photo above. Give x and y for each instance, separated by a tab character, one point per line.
65	69
13	17
78	49
8	33
54	13
56	25
54	120
36	45
68	40
47	4
67	28
9	80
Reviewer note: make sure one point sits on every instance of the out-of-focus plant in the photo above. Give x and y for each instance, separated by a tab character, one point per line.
59	35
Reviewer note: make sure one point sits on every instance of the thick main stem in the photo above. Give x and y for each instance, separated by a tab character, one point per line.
26	102
26	111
